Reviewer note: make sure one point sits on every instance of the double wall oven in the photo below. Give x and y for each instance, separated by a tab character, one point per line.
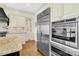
66	32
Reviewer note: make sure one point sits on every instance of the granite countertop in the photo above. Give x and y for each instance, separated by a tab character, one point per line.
9	45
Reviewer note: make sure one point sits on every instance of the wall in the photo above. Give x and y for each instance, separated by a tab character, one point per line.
21	23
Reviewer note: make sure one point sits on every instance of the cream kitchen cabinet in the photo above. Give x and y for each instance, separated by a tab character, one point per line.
70	10
62	11
17	21
77	9
57	11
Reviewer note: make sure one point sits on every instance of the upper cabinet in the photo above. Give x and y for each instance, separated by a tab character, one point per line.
77	9
17	21
69	10
62	11
57	11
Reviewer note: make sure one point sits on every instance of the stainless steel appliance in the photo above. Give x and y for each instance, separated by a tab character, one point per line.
66	32
43	31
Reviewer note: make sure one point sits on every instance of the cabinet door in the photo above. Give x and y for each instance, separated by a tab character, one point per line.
77	9
69	9
17	21
57	11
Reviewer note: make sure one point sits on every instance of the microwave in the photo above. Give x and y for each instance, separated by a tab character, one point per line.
66	32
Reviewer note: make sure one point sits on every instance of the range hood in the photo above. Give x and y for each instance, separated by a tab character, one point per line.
3	16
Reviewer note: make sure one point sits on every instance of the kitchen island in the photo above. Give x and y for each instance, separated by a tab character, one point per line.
10	46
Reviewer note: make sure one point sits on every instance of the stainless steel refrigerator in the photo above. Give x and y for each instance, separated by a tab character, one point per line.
43	20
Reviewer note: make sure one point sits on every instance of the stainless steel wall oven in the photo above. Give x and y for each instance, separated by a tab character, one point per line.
66	32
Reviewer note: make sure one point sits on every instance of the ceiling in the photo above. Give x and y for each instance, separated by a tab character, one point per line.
28	7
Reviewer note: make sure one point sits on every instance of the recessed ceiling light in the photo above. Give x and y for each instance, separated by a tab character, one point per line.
27	4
